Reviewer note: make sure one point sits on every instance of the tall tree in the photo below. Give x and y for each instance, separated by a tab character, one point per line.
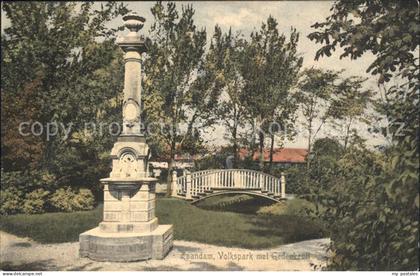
226	50
179	91
350	107
316	91
283	122
59	64
388	208
270	66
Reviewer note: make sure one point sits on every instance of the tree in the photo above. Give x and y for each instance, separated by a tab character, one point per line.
316	93
225	51
284	118
390	31
179	92
270	66
60	64
350	105
388	206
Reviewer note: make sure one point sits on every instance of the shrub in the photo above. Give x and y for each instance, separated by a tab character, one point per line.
35	202
25	191
293	207
34	192
27	181
273	210
10	201
84	200
67	200
295	180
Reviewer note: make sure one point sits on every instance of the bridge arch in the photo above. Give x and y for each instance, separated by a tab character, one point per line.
204	184
235	192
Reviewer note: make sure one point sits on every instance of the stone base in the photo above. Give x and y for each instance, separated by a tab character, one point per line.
117	227
126	247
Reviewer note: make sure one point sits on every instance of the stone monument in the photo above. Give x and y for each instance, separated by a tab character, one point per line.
129	230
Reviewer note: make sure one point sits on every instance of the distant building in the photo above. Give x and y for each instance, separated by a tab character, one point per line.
282	157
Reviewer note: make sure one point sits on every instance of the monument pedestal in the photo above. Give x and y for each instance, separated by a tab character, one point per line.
126	246
129	230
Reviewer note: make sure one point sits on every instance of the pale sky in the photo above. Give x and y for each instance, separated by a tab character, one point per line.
248	16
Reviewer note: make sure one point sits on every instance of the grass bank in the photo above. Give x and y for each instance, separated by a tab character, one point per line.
191	223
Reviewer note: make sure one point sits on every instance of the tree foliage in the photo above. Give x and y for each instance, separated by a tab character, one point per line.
60	65
226	51
372	206
270	67
180	91
316	93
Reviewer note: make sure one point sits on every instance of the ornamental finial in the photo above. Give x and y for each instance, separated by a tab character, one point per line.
133	22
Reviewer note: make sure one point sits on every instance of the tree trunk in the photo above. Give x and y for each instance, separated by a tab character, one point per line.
171	165
235	146
235	137
271	152
309	145
261	146
346	138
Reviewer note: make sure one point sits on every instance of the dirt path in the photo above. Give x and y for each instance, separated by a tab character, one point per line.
25	254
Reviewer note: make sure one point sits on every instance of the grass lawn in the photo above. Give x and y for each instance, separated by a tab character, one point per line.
190	223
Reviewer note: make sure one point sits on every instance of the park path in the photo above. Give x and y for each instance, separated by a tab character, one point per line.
24	254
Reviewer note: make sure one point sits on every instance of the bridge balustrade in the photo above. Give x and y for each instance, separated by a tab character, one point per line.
201	183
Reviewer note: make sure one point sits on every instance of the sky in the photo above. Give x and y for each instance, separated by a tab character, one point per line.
247	17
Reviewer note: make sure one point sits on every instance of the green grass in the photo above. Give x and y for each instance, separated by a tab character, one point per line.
190	223
52	227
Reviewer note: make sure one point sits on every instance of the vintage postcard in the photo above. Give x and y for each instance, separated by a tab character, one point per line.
210	136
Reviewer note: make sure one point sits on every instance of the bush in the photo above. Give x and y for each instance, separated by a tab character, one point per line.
25	191
10	201
84	200
295	180
68	200
35	202
27	181
293	207
34	192
273	210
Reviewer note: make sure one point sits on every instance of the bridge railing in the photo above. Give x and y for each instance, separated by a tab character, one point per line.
198	183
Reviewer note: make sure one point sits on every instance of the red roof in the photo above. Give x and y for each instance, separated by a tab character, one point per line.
280	155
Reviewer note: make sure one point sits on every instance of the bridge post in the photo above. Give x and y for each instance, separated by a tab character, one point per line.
174	183
283	185
188	184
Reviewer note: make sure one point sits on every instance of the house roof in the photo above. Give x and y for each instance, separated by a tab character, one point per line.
280	155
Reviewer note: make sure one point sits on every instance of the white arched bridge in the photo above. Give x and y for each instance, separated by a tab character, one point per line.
199	185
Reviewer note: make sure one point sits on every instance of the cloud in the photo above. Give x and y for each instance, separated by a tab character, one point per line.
236	19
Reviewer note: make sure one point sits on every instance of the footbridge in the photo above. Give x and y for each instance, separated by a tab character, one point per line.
199	185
